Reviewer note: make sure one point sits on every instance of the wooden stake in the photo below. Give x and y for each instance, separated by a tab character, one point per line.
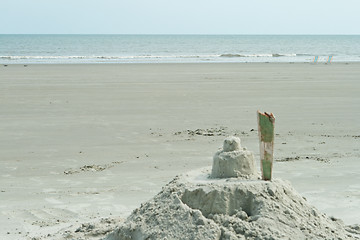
266	124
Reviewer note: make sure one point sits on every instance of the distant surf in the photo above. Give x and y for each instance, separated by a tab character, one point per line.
229	55
25	49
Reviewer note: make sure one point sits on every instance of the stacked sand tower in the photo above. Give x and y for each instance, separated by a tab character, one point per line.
233	161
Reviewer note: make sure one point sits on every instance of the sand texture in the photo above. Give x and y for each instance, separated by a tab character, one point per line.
82	146
233	160
199	207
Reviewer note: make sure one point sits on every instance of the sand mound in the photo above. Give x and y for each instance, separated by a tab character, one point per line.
194	206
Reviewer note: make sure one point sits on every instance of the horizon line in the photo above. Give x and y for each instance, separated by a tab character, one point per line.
199	34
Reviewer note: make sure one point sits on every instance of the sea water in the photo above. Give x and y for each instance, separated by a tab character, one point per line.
20	49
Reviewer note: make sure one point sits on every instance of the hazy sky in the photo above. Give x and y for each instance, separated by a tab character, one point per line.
181	16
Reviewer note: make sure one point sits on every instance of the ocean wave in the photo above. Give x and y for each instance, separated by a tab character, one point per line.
106	57
41	57
146	58
229	55
283	55
257	55
225	55
305	55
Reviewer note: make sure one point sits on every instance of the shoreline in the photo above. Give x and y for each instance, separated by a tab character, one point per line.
184	63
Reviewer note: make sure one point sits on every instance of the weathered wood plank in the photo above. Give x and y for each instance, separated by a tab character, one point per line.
266	124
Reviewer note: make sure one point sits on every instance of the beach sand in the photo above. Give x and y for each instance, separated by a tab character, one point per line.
81	143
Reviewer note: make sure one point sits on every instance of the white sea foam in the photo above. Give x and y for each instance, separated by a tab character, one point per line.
107	57
255	55
139	57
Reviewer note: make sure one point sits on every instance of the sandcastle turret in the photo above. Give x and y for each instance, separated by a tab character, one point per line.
233	160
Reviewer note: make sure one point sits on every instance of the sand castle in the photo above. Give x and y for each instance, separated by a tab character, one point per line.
232	160
225	202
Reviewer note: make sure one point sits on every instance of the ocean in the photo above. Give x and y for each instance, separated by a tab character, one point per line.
51	49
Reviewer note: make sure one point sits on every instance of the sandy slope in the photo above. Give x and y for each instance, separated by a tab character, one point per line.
197	206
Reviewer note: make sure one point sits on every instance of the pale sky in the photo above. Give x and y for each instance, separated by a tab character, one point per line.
180	16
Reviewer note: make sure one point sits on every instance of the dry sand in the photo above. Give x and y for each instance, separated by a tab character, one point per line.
84	145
